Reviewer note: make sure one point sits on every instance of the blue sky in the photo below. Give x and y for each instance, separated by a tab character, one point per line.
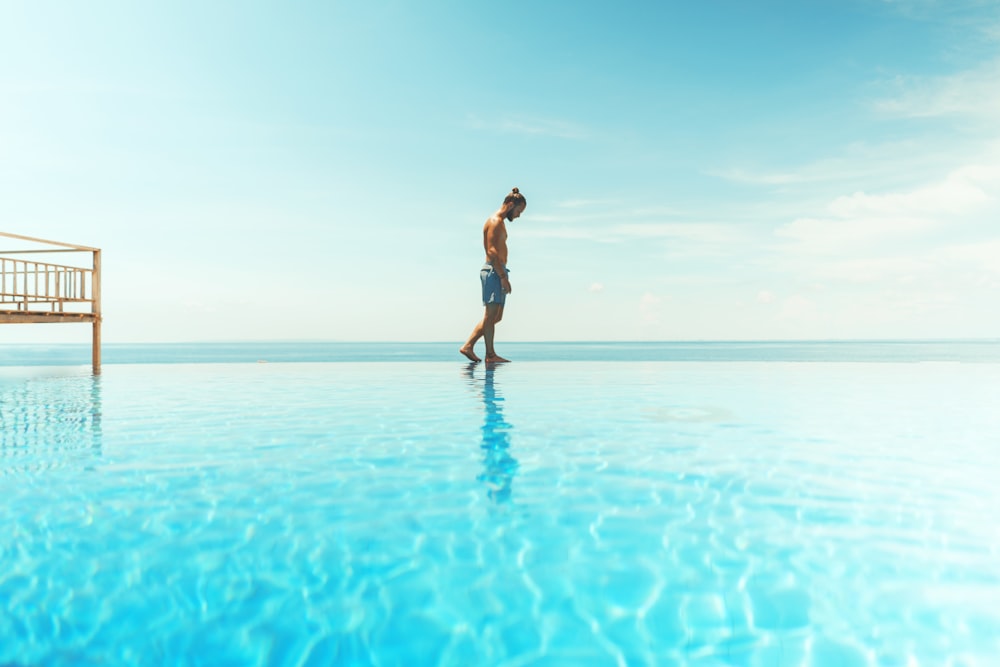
693	170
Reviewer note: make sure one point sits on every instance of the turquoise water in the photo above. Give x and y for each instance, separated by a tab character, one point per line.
538	513
973	351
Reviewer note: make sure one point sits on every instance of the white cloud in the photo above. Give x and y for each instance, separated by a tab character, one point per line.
983	256
799	308
974	92
765	296
649	308
969	100
900	270
596	288
968	194
960	191
835	235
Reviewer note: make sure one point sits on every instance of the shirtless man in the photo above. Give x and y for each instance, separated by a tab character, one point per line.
494	276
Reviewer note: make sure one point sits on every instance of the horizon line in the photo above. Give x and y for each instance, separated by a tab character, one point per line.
678	341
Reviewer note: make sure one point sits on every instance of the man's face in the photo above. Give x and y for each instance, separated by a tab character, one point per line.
516	211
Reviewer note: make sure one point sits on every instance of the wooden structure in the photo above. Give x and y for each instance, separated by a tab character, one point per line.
34	289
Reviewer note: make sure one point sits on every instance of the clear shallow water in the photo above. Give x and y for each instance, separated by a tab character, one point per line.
973	351
542	513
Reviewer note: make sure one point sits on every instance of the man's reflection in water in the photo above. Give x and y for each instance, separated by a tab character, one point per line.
499	467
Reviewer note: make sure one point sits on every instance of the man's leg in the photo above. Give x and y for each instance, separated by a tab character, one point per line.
467	349
494	313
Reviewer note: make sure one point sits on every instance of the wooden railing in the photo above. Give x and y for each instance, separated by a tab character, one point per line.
25	284
32	290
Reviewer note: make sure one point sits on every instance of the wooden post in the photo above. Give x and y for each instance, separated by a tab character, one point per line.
95	286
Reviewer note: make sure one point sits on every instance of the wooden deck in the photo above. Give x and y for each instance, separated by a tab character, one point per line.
49	281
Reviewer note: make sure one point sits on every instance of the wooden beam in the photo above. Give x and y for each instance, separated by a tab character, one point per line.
35	317
46	251
56	243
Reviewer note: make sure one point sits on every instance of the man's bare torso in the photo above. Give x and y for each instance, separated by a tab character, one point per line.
495	240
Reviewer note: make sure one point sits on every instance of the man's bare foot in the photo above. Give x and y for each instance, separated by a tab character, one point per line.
469	354
496	359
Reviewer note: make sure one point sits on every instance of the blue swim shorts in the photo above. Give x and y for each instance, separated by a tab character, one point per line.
492	289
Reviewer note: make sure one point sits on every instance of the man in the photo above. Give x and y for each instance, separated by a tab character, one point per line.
494	276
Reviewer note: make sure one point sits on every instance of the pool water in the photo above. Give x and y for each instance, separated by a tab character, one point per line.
536	513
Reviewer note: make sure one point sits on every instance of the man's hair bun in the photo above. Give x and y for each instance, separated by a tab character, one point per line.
515	195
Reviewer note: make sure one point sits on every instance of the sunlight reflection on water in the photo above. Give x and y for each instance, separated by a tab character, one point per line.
442	513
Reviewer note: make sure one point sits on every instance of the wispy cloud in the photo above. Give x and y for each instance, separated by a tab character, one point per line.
861	164
903	255
565	232
974	92
629	226
605	213
758	178
874	269
586	203
961	191
650	308
970	98
528	125
832	236
690	231
982	256
968	194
